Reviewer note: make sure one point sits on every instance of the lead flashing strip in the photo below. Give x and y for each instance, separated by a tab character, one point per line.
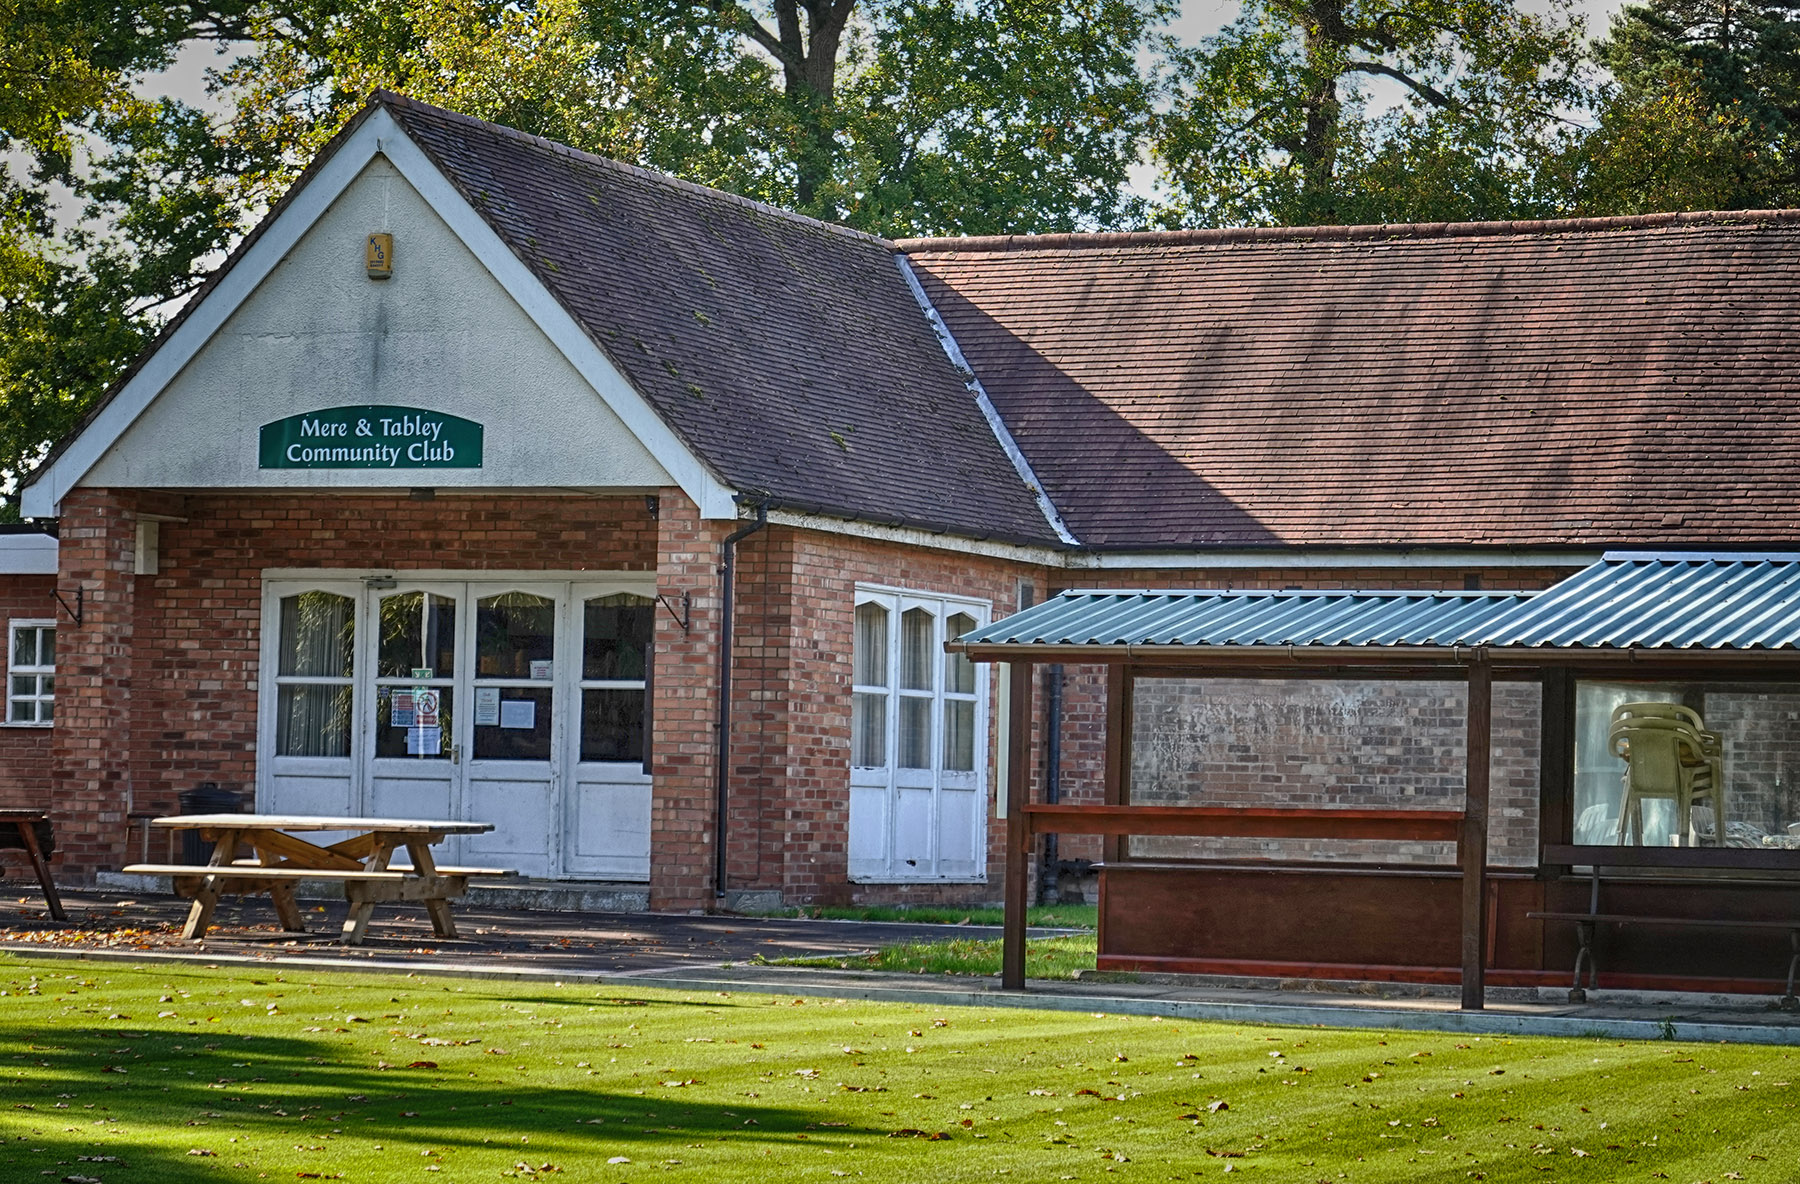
988	411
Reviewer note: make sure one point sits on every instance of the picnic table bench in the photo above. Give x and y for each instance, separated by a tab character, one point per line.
1603	863
30	831
361	863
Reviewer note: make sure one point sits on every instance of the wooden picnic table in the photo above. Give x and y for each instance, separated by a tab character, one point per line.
29	830
362	863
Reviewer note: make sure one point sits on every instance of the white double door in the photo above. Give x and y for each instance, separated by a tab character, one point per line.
516	702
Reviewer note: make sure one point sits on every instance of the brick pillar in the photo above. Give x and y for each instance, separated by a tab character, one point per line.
91	752
684	748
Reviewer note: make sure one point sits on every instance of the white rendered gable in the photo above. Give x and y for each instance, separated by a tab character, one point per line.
461	328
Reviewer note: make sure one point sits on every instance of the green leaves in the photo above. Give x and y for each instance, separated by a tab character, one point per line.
1318	112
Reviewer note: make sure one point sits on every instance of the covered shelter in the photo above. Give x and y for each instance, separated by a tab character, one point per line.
1348	879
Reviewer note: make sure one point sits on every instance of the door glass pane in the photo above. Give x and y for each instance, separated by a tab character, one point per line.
612	725
868	730
313	721
871	664
515	636
318	631
410	724
615	637
418	632
959	672
959	735
915	733
916	659
523	730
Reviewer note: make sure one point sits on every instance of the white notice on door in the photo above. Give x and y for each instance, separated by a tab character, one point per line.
540	671
518	713
424	741
487	707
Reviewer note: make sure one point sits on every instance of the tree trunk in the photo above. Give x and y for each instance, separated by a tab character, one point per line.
1319	139
809	74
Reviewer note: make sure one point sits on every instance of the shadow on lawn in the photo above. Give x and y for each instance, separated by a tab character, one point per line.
275	1092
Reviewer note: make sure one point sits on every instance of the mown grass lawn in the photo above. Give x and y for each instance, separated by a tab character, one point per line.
1045	957
178	1073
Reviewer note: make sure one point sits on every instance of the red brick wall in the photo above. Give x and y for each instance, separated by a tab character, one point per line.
682	810
25	758
92	740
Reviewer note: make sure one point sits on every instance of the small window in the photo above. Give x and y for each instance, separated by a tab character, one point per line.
30	672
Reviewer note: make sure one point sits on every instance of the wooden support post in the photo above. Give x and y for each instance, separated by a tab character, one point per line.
1018	834
1472	852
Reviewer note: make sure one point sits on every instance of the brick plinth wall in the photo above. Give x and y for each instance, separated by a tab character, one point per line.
92	749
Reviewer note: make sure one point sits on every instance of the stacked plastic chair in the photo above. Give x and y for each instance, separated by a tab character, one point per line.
1669	754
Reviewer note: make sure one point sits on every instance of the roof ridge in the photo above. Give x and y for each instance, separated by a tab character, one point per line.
1091	240
399	101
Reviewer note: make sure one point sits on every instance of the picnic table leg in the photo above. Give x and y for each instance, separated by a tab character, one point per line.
206	896
28	835
281	895
356	923
437	907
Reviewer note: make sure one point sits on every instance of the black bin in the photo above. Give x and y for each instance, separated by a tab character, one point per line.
206	798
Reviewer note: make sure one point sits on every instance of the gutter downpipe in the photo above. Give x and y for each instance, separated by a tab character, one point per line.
728	573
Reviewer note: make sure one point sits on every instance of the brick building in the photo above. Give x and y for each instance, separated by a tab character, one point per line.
460	486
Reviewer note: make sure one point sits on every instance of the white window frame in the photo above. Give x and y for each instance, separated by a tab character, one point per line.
16	668
889	779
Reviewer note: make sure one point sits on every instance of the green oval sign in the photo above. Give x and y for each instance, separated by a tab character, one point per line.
371	437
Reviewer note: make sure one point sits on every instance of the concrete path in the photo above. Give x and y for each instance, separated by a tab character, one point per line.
724	953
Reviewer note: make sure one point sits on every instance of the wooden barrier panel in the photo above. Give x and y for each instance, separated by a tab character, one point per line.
1258	822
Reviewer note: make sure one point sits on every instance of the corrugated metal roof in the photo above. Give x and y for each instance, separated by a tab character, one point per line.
1178	619
1627	601
1632	600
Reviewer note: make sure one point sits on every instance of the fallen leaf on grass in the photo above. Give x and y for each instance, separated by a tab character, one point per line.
198	1151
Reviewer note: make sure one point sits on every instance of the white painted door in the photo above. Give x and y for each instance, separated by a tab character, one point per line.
307	722
520	641
918	742
606	823
416	701
521	702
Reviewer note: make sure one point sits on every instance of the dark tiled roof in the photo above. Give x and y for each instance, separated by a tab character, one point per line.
1626	382
789	354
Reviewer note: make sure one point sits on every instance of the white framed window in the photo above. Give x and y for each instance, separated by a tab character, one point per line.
30	672
918	740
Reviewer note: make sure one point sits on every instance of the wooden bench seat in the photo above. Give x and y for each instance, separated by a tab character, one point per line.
441	869
1639	863
251	871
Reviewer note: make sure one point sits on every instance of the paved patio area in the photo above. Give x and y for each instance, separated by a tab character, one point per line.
722	953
